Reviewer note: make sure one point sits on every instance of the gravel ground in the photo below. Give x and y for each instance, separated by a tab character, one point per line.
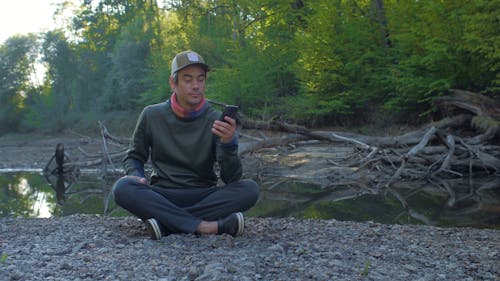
84	247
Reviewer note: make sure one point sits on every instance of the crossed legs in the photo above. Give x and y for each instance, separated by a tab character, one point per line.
185	210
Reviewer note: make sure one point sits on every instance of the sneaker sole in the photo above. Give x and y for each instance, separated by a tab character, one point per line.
156	232
241	224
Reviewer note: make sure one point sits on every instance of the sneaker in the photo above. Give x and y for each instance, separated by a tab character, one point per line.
154	229
232	224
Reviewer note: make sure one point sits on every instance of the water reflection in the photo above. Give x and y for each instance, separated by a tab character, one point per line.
59	176
61	183
21	196
474	203
31	195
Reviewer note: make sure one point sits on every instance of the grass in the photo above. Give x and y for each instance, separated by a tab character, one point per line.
366	269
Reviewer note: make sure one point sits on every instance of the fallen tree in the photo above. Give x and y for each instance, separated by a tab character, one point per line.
463	144
460	145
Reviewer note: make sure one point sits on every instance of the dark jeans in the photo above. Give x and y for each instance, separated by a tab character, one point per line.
180	210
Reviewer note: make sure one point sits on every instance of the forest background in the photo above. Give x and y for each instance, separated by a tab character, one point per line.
310	62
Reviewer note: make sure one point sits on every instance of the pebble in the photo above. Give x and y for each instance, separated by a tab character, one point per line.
112	248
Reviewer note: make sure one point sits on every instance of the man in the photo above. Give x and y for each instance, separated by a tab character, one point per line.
184	138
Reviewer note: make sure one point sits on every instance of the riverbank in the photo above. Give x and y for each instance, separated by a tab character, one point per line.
104	248
86	247
34	151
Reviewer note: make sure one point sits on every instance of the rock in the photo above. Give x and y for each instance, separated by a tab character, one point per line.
270	249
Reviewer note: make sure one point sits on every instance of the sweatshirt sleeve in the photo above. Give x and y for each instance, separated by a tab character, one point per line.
138	151
229	161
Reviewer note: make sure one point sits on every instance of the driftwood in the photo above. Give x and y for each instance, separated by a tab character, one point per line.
461	145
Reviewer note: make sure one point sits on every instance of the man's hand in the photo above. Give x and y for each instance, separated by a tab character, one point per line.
139	179
225	130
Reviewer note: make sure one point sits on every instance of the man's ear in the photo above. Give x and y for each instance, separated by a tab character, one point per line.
172	83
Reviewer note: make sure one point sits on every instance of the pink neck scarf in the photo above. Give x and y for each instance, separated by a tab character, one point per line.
186	114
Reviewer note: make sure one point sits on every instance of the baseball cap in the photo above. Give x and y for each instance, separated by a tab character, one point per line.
187	58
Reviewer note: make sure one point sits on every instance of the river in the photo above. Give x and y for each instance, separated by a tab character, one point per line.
468	203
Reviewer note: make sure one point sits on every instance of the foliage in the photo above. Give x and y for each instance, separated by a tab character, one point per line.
17	56
432	58
317	62
128	70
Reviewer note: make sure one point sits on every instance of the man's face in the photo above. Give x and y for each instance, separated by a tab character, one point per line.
190	87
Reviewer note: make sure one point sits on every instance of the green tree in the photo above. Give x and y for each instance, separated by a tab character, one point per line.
169	37
341	62
480	47
312	62
127	76
17	58
442	45
247	45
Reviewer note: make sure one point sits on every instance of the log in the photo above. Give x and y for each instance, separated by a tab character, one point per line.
427	137
404	140
450	147
245	148
485	109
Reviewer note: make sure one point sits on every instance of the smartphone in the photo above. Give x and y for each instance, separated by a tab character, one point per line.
229	110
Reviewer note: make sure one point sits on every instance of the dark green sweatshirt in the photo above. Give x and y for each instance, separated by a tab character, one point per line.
182	152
